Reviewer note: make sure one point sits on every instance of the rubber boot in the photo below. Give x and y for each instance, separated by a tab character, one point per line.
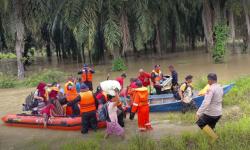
210	132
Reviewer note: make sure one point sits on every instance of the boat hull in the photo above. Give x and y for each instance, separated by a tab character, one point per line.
176	105
56	123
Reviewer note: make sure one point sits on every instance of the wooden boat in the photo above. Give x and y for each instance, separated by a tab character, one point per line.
167	102
57	123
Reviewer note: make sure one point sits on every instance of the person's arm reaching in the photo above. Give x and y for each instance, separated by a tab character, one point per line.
76	100
80	72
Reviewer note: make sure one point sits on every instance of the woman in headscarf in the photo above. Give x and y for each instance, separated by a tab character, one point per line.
40	98
53	99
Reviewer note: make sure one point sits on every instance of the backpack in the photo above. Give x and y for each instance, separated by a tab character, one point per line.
103	113
176	93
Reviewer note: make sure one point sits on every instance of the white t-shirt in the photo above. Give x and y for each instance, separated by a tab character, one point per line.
112	110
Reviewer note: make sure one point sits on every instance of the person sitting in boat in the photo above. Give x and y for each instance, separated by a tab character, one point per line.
40	98
78	85
121	79
71	94
186	94
88	106
144	77
87	76
204	90
174	76
156	77
54	99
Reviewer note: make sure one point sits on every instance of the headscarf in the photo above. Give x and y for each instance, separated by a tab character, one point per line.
53	94
41	89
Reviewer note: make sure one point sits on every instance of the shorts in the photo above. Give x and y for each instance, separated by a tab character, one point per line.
208	120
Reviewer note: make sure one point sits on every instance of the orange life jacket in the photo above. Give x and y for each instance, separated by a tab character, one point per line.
87	76
72	93
140	98
158	76
87	103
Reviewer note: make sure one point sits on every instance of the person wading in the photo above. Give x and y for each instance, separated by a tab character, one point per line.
87	76
141	106
210	110
88	106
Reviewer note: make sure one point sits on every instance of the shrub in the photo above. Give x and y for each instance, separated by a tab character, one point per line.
221	32
47	76
118	65
200	83
7	56
7	81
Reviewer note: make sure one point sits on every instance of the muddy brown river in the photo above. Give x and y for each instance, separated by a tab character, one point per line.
196	63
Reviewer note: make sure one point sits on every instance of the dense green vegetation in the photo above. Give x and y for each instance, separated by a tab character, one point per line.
93	30
48	76
221	33
7	56
118	64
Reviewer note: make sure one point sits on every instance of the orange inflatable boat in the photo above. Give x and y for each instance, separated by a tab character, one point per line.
57	123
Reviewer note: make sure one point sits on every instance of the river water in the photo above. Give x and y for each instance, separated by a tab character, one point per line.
197	63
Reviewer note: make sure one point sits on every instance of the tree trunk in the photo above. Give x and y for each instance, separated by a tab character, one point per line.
158	39
83	53
207	24
19	46
245	4
173	39
232	26
126	41
48	49
217	10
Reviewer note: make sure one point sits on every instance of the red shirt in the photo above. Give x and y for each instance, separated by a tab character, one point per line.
120	80
145	79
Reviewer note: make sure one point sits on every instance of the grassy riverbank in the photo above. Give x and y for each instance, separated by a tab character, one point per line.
48	76
233	129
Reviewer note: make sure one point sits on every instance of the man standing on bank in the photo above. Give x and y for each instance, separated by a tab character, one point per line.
210	110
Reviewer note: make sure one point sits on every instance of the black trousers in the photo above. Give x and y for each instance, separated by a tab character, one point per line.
89	84
208	120
75	109
121	117
89	121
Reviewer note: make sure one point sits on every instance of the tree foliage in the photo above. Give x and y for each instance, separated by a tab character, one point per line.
99	28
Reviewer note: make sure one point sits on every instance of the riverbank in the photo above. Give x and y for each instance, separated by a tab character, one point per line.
171	130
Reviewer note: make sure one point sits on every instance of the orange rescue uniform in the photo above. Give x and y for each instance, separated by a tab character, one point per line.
87	76
87	103
141	105
71	94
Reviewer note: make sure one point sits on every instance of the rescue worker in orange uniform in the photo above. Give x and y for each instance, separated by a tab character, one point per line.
70	94
88	106
156	76
87	76
141	106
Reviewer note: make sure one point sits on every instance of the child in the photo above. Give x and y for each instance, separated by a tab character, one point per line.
113	126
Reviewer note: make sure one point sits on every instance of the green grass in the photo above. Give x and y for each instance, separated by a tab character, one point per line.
47	76
7	56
